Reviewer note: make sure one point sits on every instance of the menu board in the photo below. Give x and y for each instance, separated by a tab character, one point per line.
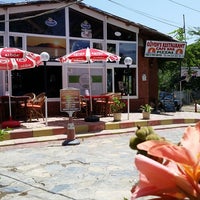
69	99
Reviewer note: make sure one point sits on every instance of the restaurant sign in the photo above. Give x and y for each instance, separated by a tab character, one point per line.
69	99
165	49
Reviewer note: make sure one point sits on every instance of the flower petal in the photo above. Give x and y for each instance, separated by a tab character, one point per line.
150	143
191	140
155	178
176	153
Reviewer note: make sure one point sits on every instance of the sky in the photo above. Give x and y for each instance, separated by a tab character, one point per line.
163	15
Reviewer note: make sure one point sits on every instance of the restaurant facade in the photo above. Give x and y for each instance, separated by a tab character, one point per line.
60	28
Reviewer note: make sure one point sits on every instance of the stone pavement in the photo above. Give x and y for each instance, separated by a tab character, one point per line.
55	128
100	168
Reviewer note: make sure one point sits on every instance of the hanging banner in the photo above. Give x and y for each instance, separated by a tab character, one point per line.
165	49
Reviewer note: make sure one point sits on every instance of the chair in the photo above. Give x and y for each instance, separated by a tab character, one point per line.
83	108
35	108
102	104
31	95
21	103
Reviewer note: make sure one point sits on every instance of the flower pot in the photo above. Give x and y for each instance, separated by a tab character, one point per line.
146	115
117	116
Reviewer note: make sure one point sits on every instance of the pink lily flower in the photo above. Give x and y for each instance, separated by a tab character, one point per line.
178	177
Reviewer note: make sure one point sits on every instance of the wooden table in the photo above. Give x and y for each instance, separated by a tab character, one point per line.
16	108
100	104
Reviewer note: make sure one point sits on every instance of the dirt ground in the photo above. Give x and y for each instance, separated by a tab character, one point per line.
189	108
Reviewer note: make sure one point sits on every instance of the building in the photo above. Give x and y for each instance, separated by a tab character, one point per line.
60	27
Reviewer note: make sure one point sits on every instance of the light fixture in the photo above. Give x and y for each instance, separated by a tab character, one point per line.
144	77
44	56
117	33
128	61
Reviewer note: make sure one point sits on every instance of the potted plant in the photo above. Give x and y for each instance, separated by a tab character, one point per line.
146	110
117	107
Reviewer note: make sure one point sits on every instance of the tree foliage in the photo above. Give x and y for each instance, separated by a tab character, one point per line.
179	34
195	31
170	71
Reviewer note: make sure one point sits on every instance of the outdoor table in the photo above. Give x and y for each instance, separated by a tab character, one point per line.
21	110
99	104
18	110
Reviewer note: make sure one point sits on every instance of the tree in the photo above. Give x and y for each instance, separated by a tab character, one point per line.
195	32
169	71
179	34
169	75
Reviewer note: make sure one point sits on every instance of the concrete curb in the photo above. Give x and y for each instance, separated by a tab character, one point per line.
21	136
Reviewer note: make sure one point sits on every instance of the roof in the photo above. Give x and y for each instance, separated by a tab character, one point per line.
144	31
9	3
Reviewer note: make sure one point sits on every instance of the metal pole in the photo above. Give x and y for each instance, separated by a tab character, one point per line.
180	92
46	111
45	77
128	91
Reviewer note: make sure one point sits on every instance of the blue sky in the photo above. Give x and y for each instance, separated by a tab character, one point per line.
162	15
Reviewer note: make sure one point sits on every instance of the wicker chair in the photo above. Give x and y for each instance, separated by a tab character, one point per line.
21	107
31	95
103	104
35	108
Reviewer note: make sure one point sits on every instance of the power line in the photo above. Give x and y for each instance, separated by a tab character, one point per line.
161	20
184	6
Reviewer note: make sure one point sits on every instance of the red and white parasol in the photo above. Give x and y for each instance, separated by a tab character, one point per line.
20	60
88	55
29	61
10	52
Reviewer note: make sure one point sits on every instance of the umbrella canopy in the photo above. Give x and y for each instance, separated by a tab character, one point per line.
19	61
29	61
88	55
10	52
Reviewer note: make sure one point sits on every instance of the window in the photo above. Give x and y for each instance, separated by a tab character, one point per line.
1	42
125	80
52	23
16	41
84	26
127	49
56	47
109	80
97	45
2	24
83	75
32	80
121	76
117	33
78	44
111	48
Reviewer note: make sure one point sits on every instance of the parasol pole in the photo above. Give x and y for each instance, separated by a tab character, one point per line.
90	89
8	90
90	81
